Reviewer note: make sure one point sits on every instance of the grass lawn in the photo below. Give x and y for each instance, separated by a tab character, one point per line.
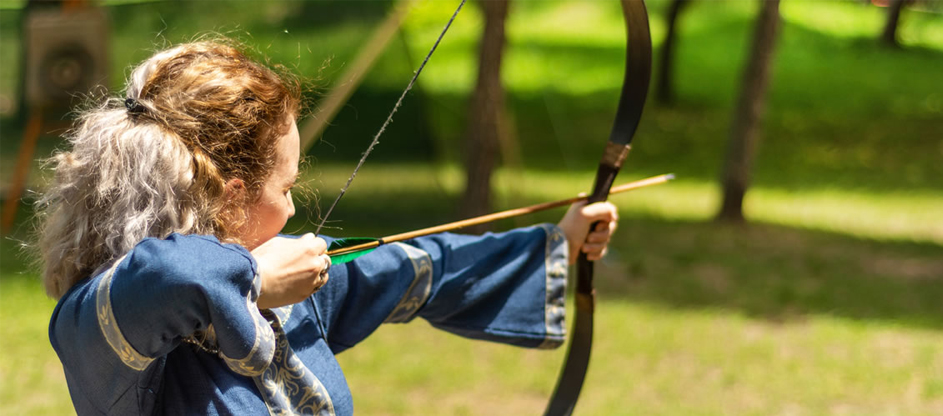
828	303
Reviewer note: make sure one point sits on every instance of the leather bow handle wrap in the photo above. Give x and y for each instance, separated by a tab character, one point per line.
631	102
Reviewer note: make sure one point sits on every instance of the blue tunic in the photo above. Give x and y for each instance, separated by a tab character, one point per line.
172	328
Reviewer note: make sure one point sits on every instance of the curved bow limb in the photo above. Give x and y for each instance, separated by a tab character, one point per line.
631	103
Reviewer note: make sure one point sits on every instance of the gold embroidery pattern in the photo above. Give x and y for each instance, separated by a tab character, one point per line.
283	313
287	385
263	348
109	326
555	262
418	291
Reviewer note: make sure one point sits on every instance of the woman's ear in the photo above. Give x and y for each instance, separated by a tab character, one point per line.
235	189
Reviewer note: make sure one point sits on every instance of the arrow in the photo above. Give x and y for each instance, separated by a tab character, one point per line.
347	249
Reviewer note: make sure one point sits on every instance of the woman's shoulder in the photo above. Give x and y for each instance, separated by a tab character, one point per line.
188	254
171	252
184	242
177	250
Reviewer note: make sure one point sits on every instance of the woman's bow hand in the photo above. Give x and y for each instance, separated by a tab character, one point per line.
576	225
291	269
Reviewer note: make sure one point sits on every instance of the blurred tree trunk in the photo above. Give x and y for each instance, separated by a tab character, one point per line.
665	90
889	37
484	115
745	128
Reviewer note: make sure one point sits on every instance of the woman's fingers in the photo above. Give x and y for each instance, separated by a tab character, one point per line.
596	256
596	243
291	269
588	228
602	233
315	245
590	248
597	237
600	211
610	225
322	275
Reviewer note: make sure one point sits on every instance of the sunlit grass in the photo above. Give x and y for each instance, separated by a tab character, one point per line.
649	360
540	33
851	19
31	378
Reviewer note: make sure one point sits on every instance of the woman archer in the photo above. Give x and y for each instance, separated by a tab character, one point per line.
176	294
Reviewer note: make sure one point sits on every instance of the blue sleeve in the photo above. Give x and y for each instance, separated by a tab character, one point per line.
506	287
109	329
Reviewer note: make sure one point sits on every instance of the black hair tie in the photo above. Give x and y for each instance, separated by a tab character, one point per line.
133	106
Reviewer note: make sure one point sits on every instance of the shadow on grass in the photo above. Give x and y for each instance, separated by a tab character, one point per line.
774	272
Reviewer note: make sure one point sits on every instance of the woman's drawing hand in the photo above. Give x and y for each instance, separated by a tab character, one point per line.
291	269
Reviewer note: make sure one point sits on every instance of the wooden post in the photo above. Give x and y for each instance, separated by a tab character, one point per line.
328	108
21	172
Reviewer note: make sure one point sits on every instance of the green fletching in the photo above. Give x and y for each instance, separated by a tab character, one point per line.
349	242
344	258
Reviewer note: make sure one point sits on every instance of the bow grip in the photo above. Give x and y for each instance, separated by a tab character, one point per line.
609	166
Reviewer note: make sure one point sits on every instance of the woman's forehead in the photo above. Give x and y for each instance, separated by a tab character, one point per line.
288	150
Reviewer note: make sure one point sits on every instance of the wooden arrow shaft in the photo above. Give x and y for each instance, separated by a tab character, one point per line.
655	180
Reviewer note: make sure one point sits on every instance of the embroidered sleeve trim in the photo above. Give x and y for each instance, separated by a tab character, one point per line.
263	347
109	326
288	386
282	314
418	291
555	262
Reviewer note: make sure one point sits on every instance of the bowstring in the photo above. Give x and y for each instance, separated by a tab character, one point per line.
389	119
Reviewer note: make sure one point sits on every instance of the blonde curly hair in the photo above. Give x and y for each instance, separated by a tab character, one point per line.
157	161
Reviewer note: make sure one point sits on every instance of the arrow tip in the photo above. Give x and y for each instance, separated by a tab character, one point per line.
670	176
